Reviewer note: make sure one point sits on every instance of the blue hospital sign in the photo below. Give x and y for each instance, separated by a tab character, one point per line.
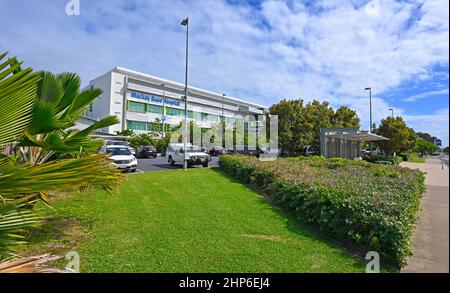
154	99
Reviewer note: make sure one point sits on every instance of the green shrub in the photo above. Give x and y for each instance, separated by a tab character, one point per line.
381	158
370	205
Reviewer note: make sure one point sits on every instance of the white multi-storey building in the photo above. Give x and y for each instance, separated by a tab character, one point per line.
144	103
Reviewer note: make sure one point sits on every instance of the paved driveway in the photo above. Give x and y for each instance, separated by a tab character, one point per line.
430	242
160	164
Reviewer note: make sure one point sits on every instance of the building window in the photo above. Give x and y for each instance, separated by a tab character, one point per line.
136	106
174	112
204	116
190	114
136	125
155	109
212	118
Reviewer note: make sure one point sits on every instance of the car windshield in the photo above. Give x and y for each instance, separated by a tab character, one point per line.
193	149
118	151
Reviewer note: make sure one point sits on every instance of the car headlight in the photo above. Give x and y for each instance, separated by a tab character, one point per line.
133	160
194	157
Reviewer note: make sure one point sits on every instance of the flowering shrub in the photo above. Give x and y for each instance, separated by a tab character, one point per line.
373	206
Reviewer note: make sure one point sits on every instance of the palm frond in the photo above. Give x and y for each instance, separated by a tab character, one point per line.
17	97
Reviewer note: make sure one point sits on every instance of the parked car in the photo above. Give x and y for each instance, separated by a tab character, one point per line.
176	154
117	142
217	151
121	157
146	151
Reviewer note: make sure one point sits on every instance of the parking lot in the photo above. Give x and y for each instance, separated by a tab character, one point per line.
160	164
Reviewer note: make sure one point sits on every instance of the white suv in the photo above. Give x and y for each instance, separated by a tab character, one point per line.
121	157
194	154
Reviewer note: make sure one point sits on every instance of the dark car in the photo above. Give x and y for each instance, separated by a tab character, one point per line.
146	152
217	151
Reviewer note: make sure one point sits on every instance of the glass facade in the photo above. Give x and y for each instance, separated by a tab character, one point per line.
136	106
145	126
136	125
155	109
174	112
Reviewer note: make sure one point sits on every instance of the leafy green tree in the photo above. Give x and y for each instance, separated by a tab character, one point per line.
320	115
401	137
425	147
426	136
294	127
125	132
140	140
299	125
345	117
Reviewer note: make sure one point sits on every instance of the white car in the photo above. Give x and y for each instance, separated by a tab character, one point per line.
121	143
121	157
194	154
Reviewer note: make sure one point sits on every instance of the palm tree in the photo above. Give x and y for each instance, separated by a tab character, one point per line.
39	125
60	103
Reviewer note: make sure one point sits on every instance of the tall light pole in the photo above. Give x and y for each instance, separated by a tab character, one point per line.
185	23
163	118
392	112
370	103
223	123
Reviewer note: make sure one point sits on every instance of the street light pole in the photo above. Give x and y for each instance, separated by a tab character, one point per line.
392	112
164	110
223	123
185	23
370	103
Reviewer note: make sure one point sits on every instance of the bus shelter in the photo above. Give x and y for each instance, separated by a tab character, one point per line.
344	142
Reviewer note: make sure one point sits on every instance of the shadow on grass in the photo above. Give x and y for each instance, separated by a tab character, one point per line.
311	231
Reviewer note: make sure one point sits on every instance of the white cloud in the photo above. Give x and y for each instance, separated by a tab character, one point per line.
425	95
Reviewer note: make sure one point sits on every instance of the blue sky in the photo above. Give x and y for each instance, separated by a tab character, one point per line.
262	51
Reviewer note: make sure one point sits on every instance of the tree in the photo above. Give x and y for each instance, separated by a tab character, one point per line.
425	147
426	136
294	130
125	132
345	117
22	182
299	126
401	137
59	103
320	115
140	140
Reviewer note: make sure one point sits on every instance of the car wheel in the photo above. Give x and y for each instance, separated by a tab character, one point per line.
205	164
133	170
171	161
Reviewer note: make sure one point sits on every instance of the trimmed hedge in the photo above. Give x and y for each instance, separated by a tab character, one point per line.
370	205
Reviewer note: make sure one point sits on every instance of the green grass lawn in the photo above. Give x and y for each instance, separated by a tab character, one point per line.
414	159
194	221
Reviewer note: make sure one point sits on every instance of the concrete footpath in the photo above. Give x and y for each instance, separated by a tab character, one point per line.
431	237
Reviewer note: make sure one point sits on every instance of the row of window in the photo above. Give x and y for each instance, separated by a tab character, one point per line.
143	107
147	126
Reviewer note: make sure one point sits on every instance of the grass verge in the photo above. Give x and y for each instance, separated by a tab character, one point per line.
195	221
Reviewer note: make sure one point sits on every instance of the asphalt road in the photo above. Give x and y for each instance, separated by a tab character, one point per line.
160	164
